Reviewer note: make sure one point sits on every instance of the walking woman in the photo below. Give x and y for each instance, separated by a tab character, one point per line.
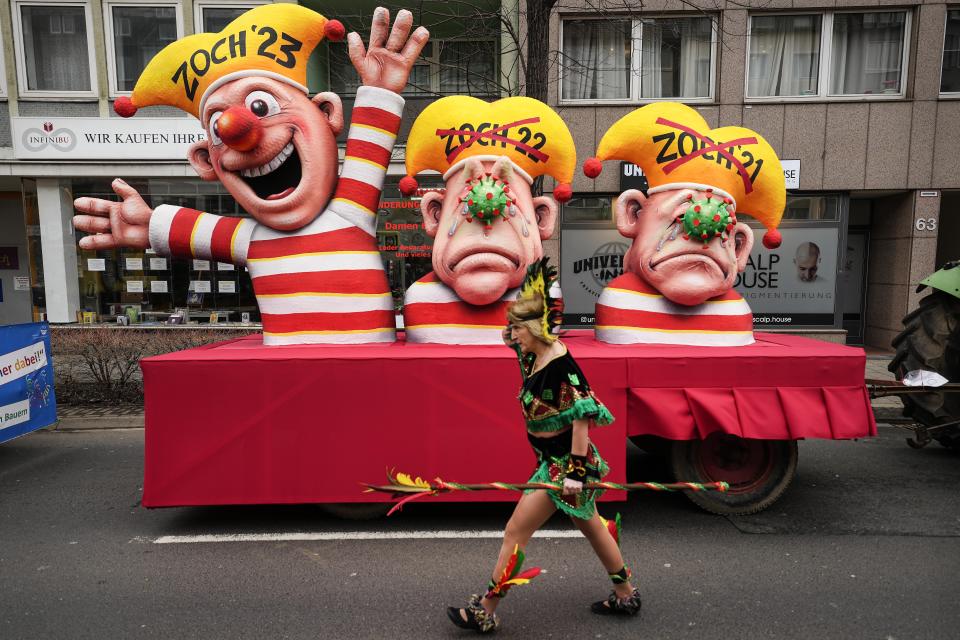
559	408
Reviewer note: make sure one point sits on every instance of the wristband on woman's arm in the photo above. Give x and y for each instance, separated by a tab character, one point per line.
577	468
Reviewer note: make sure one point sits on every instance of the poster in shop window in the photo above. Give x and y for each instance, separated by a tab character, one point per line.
794	284
589	259
27	400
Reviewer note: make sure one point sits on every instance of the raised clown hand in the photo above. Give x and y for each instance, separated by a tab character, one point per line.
387	62
114	224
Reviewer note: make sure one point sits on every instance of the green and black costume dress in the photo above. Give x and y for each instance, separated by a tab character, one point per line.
551	399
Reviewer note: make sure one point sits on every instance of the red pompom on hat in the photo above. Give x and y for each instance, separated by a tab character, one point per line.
592	167
334	30
124	107
772	239
408	185
562	192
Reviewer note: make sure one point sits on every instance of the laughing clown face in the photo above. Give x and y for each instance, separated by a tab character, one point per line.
272	147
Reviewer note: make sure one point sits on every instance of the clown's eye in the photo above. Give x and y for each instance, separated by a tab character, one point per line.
262	104
214	132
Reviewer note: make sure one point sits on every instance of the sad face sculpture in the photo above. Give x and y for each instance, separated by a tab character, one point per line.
488	227
687	241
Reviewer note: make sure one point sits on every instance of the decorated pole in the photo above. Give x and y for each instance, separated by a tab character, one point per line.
415	488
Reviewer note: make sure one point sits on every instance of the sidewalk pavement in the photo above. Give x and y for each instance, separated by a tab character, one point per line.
73	417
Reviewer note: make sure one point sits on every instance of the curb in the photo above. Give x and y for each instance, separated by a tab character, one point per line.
78	423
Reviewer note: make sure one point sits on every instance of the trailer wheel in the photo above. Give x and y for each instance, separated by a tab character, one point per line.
758	471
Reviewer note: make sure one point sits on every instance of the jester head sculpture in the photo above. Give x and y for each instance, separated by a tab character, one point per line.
688	243
488	227
310	241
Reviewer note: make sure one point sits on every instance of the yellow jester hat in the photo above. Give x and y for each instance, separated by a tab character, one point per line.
676	148
526	131
273	40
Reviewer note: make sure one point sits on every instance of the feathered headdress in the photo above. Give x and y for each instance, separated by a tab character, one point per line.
540	280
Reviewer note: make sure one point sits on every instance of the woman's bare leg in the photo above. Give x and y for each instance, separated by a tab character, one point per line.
531	512
606	549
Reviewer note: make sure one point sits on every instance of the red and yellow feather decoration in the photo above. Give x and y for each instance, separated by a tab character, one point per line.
512	575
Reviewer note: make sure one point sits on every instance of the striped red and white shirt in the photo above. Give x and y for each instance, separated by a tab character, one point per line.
631	311
433	312
324	282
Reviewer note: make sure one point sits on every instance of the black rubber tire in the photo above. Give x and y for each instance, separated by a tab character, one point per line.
771	465
931	341
357	510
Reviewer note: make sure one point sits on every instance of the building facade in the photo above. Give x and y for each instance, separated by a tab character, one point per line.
860	101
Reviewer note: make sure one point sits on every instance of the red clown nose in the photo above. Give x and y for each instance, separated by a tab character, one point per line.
239	128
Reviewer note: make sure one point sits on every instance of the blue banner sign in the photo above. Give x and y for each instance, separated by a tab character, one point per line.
27	402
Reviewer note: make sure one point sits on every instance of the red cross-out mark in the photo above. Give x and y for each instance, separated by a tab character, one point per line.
492	134
711	146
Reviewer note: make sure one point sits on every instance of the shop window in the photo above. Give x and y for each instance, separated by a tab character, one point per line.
405	247
445	67
830	54
135	34
54	51
950	72
812	207
590	209
637	60
142	286
211	16
31	214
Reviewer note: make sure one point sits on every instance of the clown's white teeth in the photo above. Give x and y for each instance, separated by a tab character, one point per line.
271	166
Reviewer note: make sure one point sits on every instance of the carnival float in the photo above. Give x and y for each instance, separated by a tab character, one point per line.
332	394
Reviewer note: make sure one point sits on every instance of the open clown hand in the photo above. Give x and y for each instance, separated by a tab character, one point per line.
387	61
114	224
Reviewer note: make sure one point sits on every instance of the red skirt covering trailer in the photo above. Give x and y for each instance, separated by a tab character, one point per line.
239	423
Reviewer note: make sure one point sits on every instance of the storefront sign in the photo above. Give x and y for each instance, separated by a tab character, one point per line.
794	284
589	259
61	138
791	173
27	401
631	177
9	258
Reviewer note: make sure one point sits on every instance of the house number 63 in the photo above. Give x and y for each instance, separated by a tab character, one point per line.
926	224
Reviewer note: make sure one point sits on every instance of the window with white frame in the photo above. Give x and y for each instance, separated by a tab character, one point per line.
827	54
54	50
632	60
445	67
213	16
950	72
135	33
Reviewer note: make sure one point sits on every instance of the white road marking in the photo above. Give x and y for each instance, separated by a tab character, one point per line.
351	535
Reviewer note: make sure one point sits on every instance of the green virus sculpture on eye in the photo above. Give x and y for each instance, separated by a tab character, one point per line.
487	199
708	218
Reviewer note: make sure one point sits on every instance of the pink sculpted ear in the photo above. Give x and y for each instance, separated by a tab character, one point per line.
546	210
431	206
199	156
329	103
627	212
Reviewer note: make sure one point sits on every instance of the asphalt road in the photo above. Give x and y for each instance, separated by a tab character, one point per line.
865	544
